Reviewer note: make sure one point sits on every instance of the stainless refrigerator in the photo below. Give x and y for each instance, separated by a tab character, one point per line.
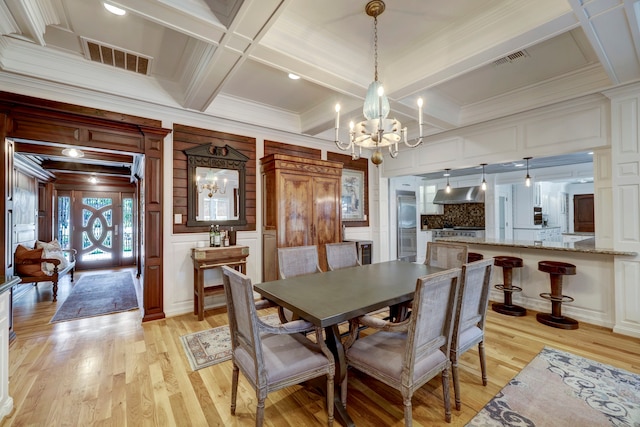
407	231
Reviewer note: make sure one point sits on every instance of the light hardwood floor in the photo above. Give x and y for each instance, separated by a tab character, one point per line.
114	370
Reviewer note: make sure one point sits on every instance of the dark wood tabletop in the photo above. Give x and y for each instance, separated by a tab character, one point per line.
326	299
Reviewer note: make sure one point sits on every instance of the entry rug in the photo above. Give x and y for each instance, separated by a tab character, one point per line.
211	346
98	294
561	389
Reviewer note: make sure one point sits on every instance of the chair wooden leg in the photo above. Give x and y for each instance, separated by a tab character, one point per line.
55	290
234	389
483	363
408	416
343	390
330	398
260	411
456	383
445	395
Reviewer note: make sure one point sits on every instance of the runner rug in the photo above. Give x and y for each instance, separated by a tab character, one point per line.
211	346
562	389
98	294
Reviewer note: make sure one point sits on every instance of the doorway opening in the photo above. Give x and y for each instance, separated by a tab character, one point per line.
100	225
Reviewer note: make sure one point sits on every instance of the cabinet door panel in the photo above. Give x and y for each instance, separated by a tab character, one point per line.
326	215
296	206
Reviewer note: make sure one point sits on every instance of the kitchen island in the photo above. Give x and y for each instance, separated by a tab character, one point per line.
593	286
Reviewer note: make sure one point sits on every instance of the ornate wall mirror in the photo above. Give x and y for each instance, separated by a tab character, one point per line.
216	186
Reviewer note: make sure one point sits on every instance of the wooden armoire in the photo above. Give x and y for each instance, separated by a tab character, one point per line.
301	206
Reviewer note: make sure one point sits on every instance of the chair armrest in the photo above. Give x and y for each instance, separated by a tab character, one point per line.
375	323
72	254
264	303
294	327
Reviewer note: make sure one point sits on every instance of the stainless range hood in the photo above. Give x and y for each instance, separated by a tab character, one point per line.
459	195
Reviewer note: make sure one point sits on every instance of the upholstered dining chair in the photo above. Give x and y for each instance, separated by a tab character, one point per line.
443	255
471	313
408	354
296	261
271	357
446	255
342	255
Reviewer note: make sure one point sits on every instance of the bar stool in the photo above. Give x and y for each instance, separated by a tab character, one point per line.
555	319
508	263
474	256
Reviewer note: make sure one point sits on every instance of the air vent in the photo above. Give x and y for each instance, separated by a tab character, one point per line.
116	57
521	54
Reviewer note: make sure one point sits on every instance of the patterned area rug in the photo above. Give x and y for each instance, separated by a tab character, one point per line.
206	348
98	294
562	389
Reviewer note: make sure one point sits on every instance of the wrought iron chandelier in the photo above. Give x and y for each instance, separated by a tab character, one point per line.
376	131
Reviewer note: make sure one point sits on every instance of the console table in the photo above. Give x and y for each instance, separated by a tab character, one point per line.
207	258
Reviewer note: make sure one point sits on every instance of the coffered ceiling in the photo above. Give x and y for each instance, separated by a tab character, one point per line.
471	60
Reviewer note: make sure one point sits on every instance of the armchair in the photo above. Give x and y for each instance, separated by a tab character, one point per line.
407	355
271	357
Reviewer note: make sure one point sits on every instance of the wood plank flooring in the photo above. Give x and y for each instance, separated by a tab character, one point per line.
115	371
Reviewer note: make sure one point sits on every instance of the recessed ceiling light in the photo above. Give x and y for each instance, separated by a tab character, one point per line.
293	76
590	153
93	180
73	152
113	9
518	165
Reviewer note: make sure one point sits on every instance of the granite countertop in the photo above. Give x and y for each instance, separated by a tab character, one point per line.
580	233
6	282
586	246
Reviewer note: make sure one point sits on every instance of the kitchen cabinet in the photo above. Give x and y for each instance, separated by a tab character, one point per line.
301	202
524	200
572	238
427	193
545	234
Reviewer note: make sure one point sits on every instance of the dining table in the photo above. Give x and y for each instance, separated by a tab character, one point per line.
333	297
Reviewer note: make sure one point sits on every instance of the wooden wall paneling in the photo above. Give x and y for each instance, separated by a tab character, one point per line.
185	137
45	211
6	196
361	164
93	133
153	251
274	147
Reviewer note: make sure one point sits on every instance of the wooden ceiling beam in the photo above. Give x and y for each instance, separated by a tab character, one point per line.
54	151
85	168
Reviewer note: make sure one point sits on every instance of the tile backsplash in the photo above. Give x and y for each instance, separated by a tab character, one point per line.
462	215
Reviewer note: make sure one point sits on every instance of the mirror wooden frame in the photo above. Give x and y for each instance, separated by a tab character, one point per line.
211	156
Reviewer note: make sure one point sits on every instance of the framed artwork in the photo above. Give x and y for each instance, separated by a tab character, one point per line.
355	190
352	198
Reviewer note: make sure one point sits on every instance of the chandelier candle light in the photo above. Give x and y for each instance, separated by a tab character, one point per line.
212	186
377	131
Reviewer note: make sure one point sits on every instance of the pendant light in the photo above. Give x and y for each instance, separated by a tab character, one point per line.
527	179
484	181
448	187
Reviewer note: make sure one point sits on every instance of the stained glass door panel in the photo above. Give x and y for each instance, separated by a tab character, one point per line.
96	230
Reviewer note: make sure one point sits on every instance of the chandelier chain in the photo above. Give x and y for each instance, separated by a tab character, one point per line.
375	47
